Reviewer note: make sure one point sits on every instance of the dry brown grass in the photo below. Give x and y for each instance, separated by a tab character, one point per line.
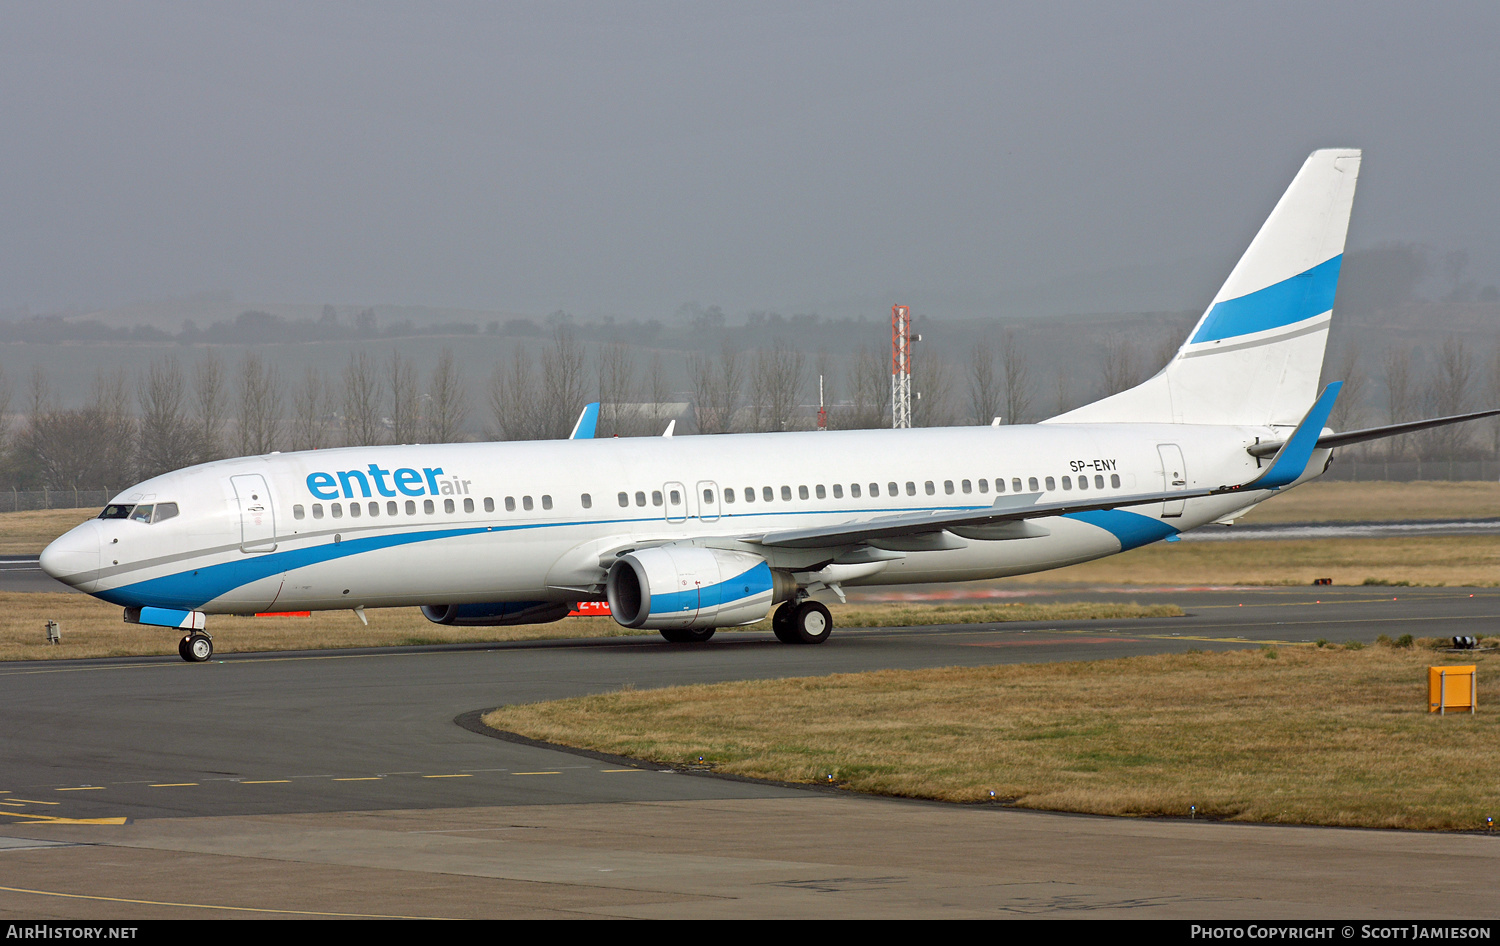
92	628
27	533
1297	735
1328	501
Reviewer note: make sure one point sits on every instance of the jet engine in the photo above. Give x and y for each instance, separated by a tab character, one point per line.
496	614
690	587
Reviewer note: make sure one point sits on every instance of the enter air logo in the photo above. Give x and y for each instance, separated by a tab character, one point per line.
353	484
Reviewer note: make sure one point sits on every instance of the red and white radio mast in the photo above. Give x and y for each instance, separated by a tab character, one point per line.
901	339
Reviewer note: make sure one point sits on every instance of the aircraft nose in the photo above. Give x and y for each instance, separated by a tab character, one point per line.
73	557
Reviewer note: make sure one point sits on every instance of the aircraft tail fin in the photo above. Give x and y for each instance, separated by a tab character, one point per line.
1256	355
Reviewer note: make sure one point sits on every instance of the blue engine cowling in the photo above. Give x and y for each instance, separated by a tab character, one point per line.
687	587
496	614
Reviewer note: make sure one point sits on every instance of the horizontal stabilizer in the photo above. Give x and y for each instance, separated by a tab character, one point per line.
1267	447
1290	461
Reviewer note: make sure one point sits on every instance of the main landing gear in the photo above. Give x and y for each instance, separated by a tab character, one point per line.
802	622
687	635
195	647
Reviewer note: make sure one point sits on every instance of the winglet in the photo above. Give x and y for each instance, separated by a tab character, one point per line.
587	421
1291	460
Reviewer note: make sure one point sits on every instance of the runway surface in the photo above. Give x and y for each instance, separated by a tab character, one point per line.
343	782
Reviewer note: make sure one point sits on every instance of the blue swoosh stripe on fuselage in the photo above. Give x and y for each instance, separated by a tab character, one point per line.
1291	300
191	589
1131	528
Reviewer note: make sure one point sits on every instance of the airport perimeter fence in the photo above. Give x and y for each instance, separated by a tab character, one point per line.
24	500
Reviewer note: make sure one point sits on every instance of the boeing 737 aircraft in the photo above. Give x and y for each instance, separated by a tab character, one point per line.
688	534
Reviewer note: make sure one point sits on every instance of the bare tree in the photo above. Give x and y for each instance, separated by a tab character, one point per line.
516	399
447	401
169	439
716	389
564	383
405	407
1448	393
616	390
776	386
1400	396
260	407
1121	369
310	412
932	387
1348	410
92	448
869	391
362	396
1017	379
984	382
659	391
210	406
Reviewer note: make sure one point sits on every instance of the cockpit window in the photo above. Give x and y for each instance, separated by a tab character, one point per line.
164	511
116	511
141	513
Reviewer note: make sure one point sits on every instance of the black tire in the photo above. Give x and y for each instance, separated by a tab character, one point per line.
199	647
182	649
781	623
811	623
687	635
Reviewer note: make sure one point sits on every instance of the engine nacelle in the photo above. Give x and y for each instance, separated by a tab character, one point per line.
497	613
687	587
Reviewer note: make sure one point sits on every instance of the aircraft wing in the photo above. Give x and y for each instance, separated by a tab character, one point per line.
1288	465
1014	508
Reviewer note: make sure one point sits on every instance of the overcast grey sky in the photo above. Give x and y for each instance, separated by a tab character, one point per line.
622	158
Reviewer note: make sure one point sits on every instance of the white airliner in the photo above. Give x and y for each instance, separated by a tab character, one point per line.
688	534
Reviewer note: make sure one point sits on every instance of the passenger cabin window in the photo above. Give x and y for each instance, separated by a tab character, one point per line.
1099	481
802	492
354	510
391	508
1035	486
929	488
374	508
428	507
676	498
911	488
448	506
766	494
838	491
984	486
298	512
1083	482
546	501
317	510
510	504
708	496
468	505
337	509
640	498
489	504
1114	480
854	490
1067	482
624	500
656	497
411	506
968	487
1051	483
891	489
749	494
729	495
786	494
526	504
587	501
